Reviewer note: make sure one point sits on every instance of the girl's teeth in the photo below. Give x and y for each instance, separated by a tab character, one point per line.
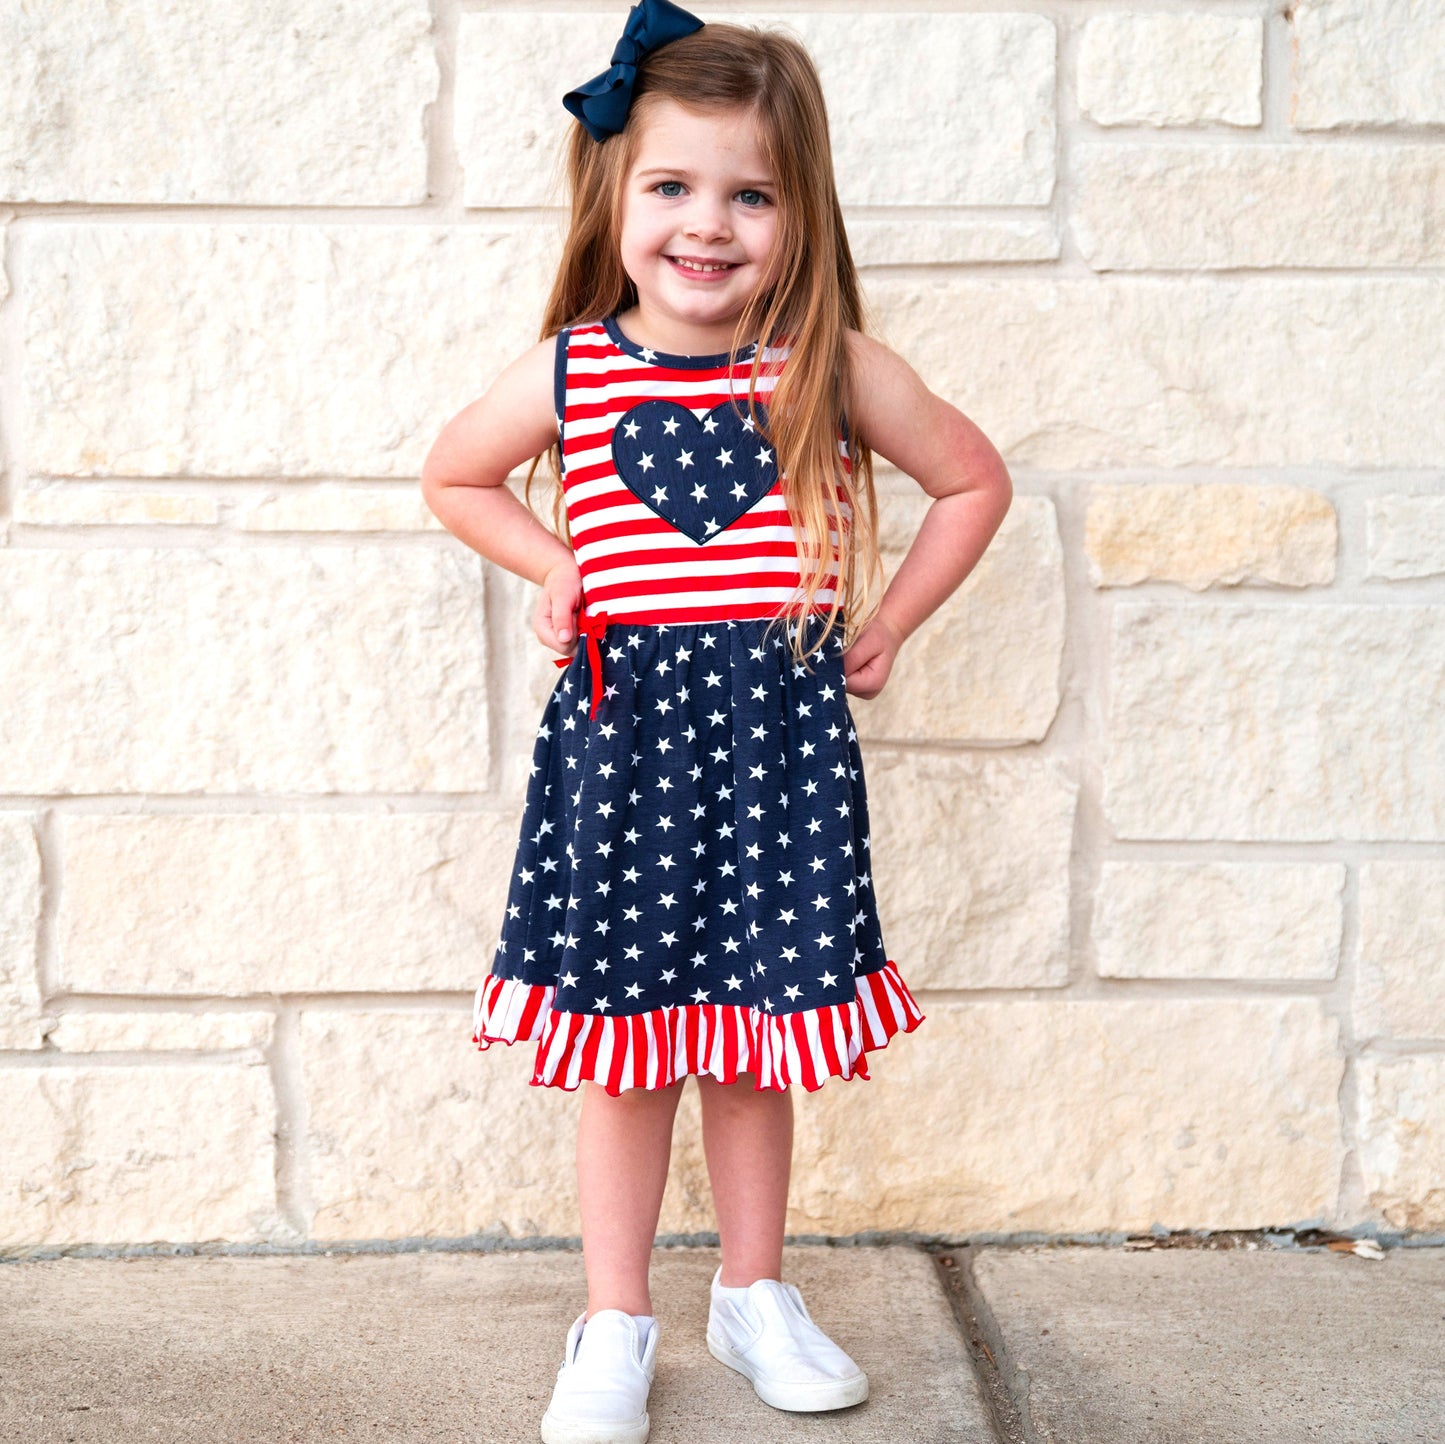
693	267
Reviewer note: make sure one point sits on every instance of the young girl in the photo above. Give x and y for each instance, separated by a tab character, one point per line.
692	892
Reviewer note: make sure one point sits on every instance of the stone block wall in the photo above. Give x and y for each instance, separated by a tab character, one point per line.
1158	796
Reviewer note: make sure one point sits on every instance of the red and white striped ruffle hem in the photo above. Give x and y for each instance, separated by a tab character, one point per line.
656	1048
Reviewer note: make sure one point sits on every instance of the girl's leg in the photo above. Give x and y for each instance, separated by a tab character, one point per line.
623	1148
747	1137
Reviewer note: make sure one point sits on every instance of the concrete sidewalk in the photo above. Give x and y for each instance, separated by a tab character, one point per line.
1058	1345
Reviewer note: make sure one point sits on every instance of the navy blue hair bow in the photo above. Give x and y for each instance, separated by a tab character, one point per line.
602	103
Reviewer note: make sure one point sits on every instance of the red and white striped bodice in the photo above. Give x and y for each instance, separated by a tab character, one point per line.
684	555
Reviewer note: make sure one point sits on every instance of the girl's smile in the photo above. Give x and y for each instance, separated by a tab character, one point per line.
703	270
699	216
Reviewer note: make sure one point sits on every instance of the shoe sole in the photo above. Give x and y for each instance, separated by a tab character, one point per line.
567	1431
795	1398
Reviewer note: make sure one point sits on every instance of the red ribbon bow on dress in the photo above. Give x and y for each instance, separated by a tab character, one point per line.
591	625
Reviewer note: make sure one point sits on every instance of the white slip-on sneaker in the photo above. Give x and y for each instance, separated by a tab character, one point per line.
770	1338
601	1392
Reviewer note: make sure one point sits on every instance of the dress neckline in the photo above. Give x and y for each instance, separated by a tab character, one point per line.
671	358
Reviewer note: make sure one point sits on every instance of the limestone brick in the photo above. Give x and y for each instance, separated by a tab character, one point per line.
1171	69
21	1023
1251	921
1211	534
249	103
1405	535
156	1029
1367	62
1280	723
511	139
236	903
877	241
1144	371
249	350
1400	1103
88	504
1400	988
1227	206
242	669
954	679
138	1153
413	1131
338	508
1061	1115
985	81
971	866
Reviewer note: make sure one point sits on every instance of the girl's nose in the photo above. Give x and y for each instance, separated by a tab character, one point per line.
708	220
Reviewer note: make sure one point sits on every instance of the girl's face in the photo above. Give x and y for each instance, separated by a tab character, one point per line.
699	193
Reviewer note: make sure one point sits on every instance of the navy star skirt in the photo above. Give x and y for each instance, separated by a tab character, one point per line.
692	890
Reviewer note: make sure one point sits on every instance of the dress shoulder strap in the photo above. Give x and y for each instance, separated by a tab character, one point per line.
559	383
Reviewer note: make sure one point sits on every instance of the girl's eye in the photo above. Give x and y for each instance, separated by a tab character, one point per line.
661	184
762	200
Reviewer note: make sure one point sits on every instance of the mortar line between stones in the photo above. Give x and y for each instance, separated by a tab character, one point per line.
11	360
1278	1239
445	179
1351	1198
51	862
294	1204
1080	727
421	1000
1275	80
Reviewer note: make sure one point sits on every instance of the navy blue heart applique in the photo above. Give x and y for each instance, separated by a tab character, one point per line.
699	476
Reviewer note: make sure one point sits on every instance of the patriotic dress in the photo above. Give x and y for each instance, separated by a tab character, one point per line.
692	890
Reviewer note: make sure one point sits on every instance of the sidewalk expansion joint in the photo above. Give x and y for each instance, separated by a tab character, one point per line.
1003	1386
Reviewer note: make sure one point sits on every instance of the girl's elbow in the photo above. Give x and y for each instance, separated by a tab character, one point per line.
433	484
1004	486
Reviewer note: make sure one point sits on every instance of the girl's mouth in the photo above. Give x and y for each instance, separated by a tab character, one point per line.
713	272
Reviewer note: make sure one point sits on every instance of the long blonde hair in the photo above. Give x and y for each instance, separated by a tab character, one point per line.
811	298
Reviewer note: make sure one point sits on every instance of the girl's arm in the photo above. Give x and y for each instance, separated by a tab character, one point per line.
891	409
462	482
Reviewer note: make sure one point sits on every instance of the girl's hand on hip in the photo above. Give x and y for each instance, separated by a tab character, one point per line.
555	620
867	663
